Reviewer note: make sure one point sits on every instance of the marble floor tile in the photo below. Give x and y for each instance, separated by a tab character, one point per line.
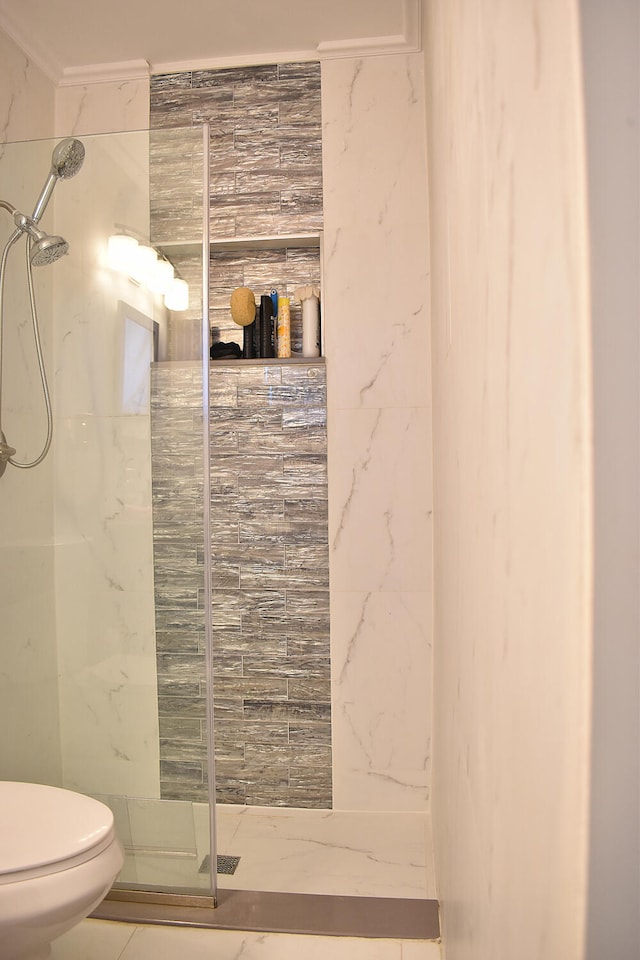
104	940
330	852
154	943
93	940
303	851
421	950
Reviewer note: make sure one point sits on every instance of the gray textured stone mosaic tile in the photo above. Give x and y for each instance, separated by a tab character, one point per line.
270	602
271	643
245	731
181	770
184	790
170	686
232	75
268	447
229	708
228	750
179	750
281	532
299	440
286	710
172	635
308	645
181	707
179	728
250	688
310	733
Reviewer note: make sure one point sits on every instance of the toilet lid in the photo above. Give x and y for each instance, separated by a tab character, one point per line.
42	825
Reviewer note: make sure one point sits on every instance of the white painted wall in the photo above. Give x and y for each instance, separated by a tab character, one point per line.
512	476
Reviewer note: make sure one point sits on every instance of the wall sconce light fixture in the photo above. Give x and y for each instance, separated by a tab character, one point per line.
143	264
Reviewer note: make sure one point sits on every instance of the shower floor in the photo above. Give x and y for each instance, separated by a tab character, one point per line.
280	850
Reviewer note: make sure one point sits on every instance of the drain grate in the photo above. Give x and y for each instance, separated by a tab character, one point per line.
225	864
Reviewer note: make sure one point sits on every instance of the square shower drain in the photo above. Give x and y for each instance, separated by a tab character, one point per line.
224	864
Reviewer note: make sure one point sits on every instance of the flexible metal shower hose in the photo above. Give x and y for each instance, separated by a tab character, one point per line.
36	336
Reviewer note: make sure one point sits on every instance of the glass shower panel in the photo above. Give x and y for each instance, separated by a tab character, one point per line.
86	618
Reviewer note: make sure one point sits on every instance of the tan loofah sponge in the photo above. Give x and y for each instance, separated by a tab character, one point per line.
243	306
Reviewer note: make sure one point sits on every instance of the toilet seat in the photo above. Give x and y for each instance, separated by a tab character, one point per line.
46	830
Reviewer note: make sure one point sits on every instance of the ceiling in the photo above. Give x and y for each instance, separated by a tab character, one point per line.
64	36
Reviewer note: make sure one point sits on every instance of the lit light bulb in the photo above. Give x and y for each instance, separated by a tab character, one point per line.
143	263
121	251
177	297
161	277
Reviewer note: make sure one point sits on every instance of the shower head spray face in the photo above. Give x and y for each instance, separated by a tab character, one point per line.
47	250
66	160
44	248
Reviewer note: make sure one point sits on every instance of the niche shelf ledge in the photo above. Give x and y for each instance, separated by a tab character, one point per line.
272	242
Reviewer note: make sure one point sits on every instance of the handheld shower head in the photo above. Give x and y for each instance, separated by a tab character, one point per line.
47	250
66	160
44	248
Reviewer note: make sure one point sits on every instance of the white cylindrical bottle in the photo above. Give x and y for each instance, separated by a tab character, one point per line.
310	327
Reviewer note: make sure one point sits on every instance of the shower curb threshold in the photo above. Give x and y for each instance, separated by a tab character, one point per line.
386	918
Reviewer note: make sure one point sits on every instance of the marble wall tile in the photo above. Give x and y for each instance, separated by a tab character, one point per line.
512	339
28	693
381	718
27	96
377	343
380	356
108	713
388	459
104	561
105	107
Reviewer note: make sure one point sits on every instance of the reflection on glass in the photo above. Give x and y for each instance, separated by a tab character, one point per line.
79	685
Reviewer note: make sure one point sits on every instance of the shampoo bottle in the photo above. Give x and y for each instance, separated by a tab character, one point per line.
309	296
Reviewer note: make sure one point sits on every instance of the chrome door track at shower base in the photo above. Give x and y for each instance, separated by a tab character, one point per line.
257	911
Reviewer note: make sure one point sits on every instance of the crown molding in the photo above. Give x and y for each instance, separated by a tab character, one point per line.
412	22
364	47
409	41
406	42
241	60
105	73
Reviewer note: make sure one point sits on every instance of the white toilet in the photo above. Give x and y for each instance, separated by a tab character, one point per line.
59	855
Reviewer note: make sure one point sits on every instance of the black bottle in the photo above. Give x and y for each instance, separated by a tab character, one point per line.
267	341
